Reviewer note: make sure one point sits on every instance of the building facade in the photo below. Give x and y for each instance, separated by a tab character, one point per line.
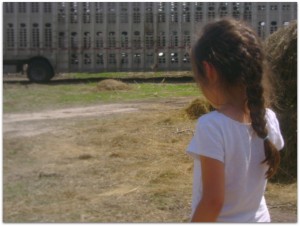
124	36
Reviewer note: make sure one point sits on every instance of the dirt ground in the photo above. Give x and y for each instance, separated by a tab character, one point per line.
107	163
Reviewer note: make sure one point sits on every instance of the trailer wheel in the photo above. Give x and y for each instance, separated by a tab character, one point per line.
39	71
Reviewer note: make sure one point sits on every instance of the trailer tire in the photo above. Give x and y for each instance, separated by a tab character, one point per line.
39	71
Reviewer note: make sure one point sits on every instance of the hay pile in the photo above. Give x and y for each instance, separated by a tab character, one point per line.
281	50
197	108
112	85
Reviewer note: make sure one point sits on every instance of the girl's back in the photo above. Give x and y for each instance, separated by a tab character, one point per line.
241	150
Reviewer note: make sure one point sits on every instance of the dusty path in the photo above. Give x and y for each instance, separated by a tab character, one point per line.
71	112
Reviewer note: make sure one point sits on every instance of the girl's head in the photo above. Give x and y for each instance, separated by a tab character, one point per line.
232	51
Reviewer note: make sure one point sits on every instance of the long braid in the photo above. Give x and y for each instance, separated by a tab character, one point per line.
236	52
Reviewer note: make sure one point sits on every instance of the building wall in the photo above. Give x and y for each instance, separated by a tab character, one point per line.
124	36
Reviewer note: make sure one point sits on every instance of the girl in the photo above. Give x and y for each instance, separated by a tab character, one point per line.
235	148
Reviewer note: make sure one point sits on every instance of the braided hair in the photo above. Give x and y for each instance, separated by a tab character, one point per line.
236	52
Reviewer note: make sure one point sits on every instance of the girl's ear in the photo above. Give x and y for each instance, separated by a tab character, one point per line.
210	72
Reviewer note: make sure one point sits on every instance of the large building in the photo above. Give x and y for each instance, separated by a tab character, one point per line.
124	36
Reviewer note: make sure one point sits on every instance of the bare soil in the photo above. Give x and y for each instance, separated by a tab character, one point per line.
107	163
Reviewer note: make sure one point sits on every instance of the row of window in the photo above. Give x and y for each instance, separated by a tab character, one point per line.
111	38
124	58
111	7
149	17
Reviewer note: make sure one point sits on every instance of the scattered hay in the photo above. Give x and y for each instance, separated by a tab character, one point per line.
112	85
197	108
85	156
281	49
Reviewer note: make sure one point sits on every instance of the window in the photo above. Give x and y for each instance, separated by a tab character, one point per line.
73	13
112	59
149	58
137	58
247	12
261	7
223	9
198	12
124	58
124	39
87	59
136	17
161	12
48	35
61	40
174	39
273	7
161	40
61	7
124	17
211	11
186	39
74	59
161	58
74	40
9	7
111	17
186	15
124	12
136	13
111	14
34	7
286	7
23	35
111	40
149	41
86	13
236	10
149	12
99	12
99	59
22	7
174	58
136	42
186	58
35	35
87	40
261	29
174	12
99	40
273	27
10	36
47	7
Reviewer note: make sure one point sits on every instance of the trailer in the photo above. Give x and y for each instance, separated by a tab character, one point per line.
45	38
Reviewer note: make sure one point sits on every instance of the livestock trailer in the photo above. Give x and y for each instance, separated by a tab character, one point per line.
52	37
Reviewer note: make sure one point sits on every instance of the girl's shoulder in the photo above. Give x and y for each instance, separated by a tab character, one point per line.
211	119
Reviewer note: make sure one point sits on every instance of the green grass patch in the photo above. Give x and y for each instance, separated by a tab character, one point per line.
36	97
129	74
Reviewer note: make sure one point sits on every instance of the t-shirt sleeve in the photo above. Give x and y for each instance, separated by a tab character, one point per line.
274	130
207	141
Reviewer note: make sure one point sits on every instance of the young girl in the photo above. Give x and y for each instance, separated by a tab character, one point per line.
235	148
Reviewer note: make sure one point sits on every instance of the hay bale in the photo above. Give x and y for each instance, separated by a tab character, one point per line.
197	108
112	85
281	50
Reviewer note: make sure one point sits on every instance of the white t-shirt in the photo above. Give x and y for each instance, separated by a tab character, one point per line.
242	151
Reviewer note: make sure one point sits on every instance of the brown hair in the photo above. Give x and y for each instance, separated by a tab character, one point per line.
236	52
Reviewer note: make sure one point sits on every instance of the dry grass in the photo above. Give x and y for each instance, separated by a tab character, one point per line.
281	48
122	168
197	108
130	168
112	85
